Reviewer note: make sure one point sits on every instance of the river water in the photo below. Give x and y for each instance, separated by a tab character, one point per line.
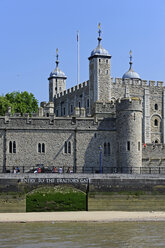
80	235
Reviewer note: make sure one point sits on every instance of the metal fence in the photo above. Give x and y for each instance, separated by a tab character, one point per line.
88	170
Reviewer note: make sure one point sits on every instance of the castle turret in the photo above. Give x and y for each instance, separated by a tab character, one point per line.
57	81
99	73
130	74
129	134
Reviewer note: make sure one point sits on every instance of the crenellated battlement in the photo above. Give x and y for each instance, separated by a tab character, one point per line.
73	89
137	82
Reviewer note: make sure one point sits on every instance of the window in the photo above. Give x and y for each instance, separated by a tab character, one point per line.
156	122
87	103
79	104
99	71
41	148
71	108
64	111
99	60
156	106
156	141
106	61
67	147
128	145
138	146
56	112
107	149
106	72
12	147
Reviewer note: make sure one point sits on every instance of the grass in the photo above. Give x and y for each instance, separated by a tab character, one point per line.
59	198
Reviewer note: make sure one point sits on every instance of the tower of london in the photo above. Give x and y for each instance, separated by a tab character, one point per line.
102	125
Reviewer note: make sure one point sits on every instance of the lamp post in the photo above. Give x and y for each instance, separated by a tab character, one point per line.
100	149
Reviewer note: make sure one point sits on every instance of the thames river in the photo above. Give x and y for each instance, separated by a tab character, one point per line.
80	235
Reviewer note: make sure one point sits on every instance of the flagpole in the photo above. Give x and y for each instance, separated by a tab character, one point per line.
77	57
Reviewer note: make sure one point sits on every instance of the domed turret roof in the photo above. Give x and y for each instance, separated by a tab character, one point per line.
99	50
131	74
57	73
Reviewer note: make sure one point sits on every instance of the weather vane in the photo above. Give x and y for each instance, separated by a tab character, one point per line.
99	27
57	57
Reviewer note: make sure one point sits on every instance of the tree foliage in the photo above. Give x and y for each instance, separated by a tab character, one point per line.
20	102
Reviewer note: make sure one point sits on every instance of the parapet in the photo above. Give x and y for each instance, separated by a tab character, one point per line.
137	82
129	104
73	89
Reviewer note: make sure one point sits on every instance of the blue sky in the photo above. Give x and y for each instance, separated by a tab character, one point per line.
31	30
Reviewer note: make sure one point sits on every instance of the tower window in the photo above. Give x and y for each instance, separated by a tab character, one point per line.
105	149
64	111
156	122
87	103
71	108
156	106
106	61
109	150
128	145
106	72
12	147
56	112
79	104
67	147
99	60
138	146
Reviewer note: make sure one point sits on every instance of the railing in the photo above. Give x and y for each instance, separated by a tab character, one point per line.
88	170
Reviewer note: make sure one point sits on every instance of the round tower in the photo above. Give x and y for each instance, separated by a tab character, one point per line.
57	81
129	134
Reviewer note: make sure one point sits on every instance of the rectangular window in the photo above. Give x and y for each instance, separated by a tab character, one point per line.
56	112
138	146
64	111
71	108
128	145
87	103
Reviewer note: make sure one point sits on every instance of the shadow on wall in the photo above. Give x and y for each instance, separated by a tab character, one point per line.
100	154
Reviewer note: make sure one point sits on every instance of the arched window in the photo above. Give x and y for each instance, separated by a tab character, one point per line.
10	147
156	141
14	147
156	122
39	147
69	147
156	106
105	149
65	147
43	147
109	149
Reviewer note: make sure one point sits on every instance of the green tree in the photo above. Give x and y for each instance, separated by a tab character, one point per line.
20	102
